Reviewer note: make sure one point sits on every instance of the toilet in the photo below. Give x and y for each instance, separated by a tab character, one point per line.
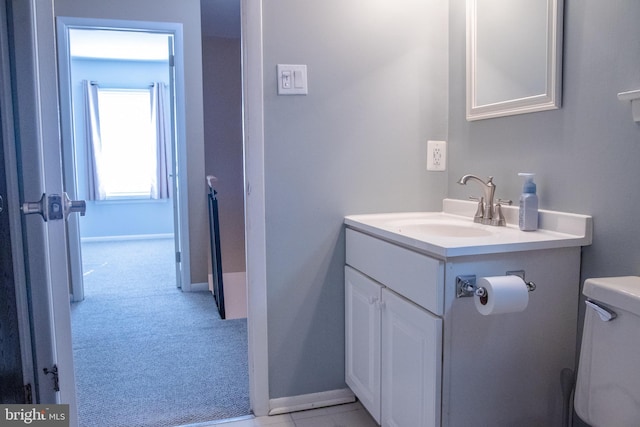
607	392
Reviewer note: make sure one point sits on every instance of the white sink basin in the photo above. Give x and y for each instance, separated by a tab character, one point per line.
452	232
442	227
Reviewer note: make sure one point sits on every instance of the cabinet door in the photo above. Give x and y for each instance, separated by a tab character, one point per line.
411	364
362	334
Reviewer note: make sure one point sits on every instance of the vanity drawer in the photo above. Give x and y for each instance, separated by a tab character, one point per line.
415	276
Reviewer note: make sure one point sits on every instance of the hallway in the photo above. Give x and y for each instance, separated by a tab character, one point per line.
147	354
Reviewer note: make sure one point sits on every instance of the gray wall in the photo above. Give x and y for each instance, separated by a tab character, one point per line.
377	73
378	80
223	142
186	12
587	153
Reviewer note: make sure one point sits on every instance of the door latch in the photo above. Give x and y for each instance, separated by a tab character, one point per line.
54	207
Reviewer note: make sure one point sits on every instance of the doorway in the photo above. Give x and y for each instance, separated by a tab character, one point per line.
47	246
127	227
128	170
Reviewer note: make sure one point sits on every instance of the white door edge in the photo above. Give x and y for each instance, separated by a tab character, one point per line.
255	226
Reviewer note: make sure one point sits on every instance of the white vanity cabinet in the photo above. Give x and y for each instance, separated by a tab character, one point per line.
411	363
363	300
419	356
393	346
393	354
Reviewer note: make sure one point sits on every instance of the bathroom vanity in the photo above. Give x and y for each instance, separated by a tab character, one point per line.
418	355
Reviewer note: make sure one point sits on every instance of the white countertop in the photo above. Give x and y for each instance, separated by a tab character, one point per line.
556	230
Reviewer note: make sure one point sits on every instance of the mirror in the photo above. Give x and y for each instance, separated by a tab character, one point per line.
514	57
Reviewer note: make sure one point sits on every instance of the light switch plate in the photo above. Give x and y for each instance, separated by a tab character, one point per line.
292	79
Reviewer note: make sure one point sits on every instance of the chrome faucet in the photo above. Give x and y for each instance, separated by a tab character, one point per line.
487	213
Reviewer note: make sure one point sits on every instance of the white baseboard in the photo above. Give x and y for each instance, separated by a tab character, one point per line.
126	237
284	405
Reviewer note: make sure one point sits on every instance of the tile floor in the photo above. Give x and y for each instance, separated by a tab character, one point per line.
347	415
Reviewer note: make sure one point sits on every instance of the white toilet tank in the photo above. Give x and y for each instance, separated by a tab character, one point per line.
608	385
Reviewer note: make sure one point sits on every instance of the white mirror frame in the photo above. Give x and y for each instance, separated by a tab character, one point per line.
549	100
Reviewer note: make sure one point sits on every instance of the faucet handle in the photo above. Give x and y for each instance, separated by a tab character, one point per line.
480	210
498	218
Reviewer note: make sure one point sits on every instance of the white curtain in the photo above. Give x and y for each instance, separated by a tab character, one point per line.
95	189
160	188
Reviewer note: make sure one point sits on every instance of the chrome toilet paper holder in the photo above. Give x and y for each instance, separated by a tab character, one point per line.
466	284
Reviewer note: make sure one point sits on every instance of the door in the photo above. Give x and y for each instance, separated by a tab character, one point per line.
362	334
11	362
411	364
15	332
175	165
39	171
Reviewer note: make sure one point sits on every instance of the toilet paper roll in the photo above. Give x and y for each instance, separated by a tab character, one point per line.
504	294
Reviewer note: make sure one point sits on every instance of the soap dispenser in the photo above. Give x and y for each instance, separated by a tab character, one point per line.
528	215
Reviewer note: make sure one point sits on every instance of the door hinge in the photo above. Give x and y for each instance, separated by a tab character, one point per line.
178	256
28	395
172	61
54	372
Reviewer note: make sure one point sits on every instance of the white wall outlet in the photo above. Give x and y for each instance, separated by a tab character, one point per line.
436	155
292	79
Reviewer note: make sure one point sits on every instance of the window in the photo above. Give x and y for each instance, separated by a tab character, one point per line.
128	142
